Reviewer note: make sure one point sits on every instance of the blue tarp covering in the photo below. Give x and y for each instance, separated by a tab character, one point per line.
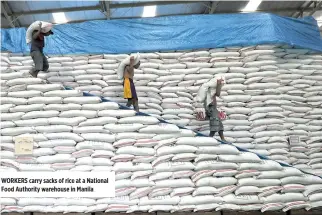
172	33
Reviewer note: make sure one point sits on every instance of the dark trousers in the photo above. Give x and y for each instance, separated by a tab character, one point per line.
40	60
134	102
221	134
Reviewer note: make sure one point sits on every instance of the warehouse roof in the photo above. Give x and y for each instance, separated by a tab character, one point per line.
23	13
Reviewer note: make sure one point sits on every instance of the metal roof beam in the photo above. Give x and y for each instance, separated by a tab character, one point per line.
277	10
140	4
137	17
217	12
287	10
56	10
10	21
107	9
214	6
105	5
134	17
6	10
299	13
152	3
98	7
318	6
74	21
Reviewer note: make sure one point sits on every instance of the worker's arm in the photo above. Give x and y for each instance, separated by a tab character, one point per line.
219	86
130	68
207	115
36	32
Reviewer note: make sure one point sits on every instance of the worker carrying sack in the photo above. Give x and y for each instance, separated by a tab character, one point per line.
126	62
204	89
45	28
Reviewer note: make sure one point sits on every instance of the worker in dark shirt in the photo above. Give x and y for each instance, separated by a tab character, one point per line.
36	51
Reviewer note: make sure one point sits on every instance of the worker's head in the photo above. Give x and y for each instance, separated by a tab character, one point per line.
136	66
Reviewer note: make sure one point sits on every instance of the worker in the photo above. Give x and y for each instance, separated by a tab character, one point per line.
128	84
36	51
212	113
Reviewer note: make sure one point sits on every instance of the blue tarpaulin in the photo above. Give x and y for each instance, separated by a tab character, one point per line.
172	33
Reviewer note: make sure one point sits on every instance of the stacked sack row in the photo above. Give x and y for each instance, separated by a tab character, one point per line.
271	92
274	103
164	84
159	167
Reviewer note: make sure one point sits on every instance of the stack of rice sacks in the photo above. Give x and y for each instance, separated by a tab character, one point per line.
160	167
